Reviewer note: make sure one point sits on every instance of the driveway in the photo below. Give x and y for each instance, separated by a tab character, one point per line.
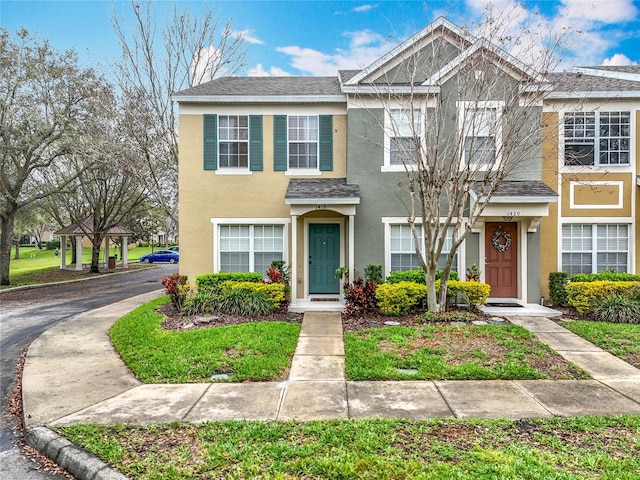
26	314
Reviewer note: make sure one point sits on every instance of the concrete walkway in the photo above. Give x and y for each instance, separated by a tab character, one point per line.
73	375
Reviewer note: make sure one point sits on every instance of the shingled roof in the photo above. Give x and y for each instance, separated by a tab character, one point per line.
518	190
321	189
85	227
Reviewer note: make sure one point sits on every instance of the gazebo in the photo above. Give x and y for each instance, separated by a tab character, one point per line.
85	228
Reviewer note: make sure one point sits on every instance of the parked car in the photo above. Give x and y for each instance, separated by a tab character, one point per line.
175	248
161	256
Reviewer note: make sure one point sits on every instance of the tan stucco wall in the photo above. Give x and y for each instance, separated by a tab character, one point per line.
549	225
596	195
205	195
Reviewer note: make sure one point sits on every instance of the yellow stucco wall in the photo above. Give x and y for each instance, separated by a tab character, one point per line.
205	195
549	225
593	195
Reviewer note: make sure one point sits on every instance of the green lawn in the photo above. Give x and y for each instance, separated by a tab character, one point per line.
470	352
35	259
621	340
259	351
541	449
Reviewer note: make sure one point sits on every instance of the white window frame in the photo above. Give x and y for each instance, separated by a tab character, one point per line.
391	130
217	222
388	222
226	169
593	248
303	170
597	114
463	127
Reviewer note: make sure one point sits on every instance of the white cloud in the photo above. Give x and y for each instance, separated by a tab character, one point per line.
259	71
609	11
618	59
364	48
362	8
247	36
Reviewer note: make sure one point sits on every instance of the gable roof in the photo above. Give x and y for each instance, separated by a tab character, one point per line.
86	227
597	82
321	190
440	24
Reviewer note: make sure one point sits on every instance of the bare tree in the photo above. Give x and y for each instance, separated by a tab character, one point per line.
460	116
157	60
45	99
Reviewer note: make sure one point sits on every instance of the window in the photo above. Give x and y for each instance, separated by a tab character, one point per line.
403	127
303	142
233	135
403	254
597	138
480	133
250	248
590	248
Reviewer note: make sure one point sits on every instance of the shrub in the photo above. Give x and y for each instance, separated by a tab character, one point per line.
199	304
557	287
373	273
476	293
584	296
360	298
399	298
177	289
52	245
213	280
451	316
242	301
611	276
473	273
273	292
617	309
417	276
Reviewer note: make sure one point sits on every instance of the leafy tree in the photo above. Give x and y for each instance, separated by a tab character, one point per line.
45	101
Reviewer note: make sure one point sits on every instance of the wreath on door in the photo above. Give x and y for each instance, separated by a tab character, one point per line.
501	240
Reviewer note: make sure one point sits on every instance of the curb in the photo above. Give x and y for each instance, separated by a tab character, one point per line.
78	462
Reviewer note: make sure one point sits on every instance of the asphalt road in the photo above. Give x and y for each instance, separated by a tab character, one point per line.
25	314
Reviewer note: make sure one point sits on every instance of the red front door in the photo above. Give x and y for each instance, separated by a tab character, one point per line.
501	259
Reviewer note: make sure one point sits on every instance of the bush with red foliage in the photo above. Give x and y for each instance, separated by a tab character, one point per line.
176	287
360	298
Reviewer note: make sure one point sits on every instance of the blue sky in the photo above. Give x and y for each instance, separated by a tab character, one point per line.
320	37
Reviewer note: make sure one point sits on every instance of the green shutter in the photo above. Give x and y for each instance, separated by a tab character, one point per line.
210	142
255	143
280	143
326	143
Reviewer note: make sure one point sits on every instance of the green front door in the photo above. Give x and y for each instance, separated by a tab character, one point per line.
324	257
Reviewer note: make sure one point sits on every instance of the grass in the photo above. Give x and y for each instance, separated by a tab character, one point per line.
483	352
259	351
619	339
571	449
37	266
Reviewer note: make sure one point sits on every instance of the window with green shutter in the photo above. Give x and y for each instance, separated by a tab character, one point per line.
280	143
255	143
210	123
326	143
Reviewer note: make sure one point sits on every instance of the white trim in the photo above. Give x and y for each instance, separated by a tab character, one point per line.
574	184
386	89
594	222
389	131
596	72
305	258
233	171
217	221
262	109
302	172
318	202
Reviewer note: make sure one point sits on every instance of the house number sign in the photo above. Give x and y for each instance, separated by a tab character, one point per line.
501	240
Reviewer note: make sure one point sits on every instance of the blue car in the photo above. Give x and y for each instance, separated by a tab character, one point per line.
161	256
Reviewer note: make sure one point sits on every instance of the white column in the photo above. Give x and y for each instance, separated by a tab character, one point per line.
63	252
125	252
351	242
294	260
78	252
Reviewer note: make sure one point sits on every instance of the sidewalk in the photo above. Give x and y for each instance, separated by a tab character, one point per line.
73	375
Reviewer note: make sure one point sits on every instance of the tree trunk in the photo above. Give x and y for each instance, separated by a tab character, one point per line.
16	255
95	254
6	234
432	298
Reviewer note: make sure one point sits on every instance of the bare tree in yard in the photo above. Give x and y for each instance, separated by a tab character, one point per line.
45	100
106	192
457	130
157	60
